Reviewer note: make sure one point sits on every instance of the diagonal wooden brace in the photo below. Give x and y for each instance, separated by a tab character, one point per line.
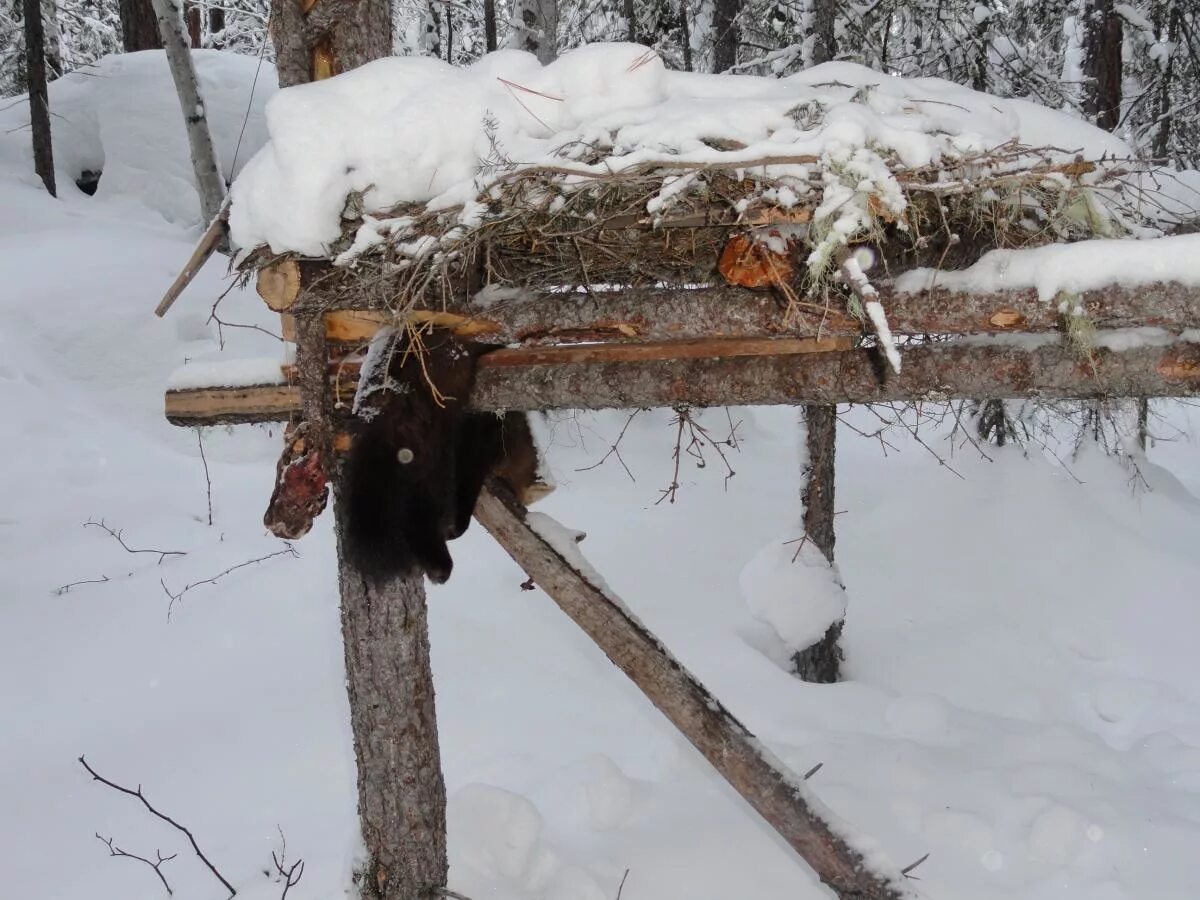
775	793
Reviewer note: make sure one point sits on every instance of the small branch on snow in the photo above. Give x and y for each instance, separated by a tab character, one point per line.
117	534
912	865
291	876
66	588
114	850
856	279
621	886
207	478
288	549
146	803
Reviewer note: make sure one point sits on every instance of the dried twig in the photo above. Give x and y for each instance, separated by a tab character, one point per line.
146	803
114	850
222	324
614	450
288	549
66	588
118	535
912	865
698	438
207	478
621	886
291	876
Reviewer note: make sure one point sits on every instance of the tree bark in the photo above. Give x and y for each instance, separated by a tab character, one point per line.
534	28
401	793
39	97
194	25
824	22
775	793
209	182
489	25
727	34
139	26
518	381
385	630
320	38
1102	38
821	662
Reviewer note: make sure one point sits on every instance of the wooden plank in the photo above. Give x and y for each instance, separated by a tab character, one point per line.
219	406
776	794
514	380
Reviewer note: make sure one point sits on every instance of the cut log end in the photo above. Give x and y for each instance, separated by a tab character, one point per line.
279	284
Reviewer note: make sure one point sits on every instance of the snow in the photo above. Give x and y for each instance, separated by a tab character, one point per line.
1070	268
1022	701
228	373
382	130
119	116
794	590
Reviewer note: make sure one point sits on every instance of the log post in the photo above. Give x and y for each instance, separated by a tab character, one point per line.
777	795
821	662
385	633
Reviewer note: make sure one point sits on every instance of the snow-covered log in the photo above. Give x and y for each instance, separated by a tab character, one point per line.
548	555
209	183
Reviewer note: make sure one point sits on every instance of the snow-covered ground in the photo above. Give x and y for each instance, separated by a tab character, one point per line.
1023	701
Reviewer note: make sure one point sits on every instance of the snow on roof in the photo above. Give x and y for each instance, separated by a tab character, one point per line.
417	130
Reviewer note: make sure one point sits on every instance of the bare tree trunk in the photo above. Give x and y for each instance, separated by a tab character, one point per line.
209	182
824	20
1102	63
534	28
727	35
822	661
216	23
194	27
39	98
630	13
51	40
139	29
489	24
685	35
330	39
401	792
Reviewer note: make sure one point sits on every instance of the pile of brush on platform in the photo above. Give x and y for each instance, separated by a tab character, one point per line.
600	172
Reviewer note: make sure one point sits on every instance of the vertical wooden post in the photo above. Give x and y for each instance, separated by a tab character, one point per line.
821	662
385	629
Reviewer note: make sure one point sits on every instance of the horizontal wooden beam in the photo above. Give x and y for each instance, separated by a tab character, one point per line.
605	377
726	311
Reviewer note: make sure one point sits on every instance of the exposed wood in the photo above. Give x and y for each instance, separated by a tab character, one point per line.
232	406
39	98
939	371
729	348
776	794
206	247
279	284
655	314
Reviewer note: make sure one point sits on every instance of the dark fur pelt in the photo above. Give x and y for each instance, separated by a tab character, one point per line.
400	514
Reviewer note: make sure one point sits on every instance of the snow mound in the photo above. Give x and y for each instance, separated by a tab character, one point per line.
795	591
120	116
416	130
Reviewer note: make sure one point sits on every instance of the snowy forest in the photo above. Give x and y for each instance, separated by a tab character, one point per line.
619	450
1132	68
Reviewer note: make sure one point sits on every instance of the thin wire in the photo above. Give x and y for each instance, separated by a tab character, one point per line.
249	105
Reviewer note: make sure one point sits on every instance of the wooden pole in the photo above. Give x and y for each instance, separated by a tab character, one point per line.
764	782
